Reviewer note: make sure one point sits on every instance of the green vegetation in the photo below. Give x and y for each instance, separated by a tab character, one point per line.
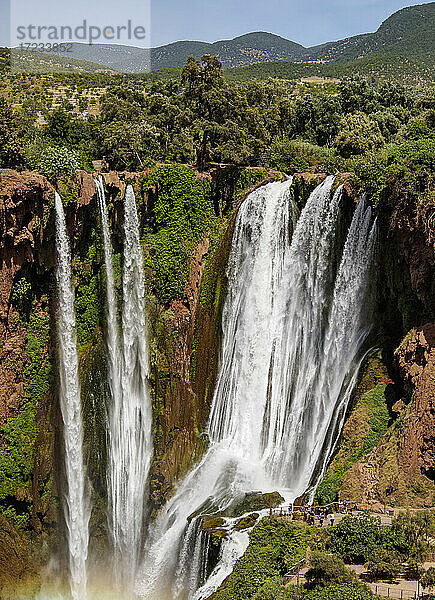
274	547
367	423
277	547
54	162
355	538
181	216
20	432
380	66
364	540
379	131
326	569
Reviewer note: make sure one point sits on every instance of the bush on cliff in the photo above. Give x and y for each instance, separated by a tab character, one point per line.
274	547
54	161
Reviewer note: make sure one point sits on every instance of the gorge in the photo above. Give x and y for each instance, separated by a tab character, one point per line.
239	386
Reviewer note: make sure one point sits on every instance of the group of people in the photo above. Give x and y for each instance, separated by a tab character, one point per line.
321	515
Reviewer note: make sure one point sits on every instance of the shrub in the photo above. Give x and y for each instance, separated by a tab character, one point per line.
55	161
428	579
355	538
274	547
358	134
182	214
384	563
326	569
341	591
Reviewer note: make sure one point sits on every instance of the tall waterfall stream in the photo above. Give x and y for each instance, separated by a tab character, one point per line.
76	502
130	436
295	324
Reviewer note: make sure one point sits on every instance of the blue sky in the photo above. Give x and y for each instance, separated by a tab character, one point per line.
307	22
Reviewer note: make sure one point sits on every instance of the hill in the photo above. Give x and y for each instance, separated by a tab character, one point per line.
414	70
403	46
407	32
26	61
243	50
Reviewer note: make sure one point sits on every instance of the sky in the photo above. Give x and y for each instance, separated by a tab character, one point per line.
307	22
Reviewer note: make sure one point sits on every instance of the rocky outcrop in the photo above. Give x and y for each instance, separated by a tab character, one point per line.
15	564
177	419
400	469
412	223
416	363
24	198
367	422
24	201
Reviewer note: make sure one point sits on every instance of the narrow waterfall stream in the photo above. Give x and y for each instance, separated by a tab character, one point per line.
130	436
295	320
77	507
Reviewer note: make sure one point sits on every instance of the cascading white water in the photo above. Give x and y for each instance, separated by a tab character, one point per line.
294	325
76	503
130	434
113	343
194	552
232	548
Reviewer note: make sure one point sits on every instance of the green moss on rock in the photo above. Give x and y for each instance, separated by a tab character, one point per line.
253	501
367	423
246	522
20	432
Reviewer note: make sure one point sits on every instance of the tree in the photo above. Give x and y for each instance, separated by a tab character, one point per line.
355	538
128	145
11	137
357	134
326	569
55	161
204	93
384	563
409	534
428	579
356	94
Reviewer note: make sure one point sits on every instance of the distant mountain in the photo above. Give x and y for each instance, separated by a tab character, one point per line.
129	59
410	31
417	70
244	50
26	61
407	33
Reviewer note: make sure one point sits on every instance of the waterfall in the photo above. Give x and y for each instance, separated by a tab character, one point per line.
130	437
76	503
192	567
295	320
113	344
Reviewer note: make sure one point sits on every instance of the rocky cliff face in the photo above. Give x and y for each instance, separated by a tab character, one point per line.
400	469
388	440
30	423
394	462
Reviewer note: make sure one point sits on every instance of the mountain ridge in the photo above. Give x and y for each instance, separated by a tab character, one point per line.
409	32
403	25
